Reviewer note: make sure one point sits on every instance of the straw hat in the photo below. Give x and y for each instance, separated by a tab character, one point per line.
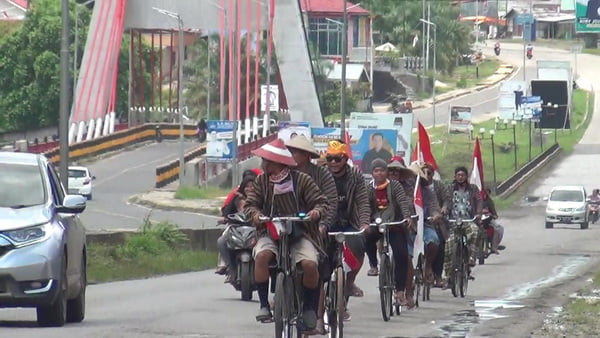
300	142
276	151
417	170
396	163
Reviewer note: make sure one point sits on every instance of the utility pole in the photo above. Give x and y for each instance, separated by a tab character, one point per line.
344	52
63	127
208	85
234	96
428	37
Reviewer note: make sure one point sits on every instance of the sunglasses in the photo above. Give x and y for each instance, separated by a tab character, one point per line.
334	158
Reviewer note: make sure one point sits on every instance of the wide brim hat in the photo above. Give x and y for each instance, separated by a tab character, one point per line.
417	170
300	142
277	152
395	164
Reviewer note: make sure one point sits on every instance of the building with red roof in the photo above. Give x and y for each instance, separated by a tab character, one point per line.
324	21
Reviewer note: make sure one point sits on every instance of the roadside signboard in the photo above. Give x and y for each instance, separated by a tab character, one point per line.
366	144
510	98
403	123
219	144
289	129
460	119
273	97
524	19
587	16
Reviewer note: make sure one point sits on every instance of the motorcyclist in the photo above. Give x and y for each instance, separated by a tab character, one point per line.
282	191
595	196
529	49
235	206
466	204
497	48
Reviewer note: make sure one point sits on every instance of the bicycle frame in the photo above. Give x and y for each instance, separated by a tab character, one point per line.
288	296
386	273
459	278
335	302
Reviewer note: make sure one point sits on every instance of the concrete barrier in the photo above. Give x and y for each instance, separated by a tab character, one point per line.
200	239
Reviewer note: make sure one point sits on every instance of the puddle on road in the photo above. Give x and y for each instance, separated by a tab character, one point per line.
464	321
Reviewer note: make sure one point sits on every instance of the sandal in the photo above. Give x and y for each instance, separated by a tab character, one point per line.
373	271
221	270
354	291
400	298
410	300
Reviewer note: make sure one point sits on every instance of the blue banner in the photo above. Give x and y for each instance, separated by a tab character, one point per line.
219	142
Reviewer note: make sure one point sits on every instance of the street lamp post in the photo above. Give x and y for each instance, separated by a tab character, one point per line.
492	133
344	52
514	125
177	17
529	140
429	23
63	127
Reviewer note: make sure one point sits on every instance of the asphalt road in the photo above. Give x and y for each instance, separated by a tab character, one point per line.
128	173
510	297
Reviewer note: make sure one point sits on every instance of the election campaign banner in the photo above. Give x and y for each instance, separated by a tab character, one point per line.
403	123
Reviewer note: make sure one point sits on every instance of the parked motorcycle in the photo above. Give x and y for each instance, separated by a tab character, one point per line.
593	211
241	240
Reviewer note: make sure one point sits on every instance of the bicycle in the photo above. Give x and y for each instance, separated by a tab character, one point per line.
288	285
420	281
335	301
458	279
386	271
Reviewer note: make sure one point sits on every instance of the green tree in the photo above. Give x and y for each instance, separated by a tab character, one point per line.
398	22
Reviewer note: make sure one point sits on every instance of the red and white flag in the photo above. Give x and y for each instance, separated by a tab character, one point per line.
274	229
347	139
349	261
477	171
419	244
423	153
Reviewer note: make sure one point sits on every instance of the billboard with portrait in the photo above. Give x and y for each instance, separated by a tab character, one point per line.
587	16
403	123
366	144
219	143
509	99
460	119
289	129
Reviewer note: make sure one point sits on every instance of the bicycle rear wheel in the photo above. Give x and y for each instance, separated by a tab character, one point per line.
482	245
385	292
418	280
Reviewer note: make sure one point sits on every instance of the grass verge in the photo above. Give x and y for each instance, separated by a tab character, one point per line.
452	150
157	249
466	76
187	193
579	317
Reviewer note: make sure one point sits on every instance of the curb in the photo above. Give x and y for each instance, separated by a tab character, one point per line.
136	199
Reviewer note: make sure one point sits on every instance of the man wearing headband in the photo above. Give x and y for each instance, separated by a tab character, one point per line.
353	211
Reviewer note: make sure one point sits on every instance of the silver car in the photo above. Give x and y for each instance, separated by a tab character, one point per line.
567	205
42	241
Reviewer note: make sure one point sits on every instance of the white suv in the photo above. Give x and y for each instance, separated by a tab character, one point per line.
567	204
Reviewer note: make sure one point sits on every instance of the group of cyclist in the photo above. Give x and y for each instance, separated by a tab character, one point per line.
336	197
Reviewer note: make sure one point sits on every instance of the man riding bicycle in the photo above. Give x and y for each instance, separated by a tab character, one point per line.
282	191
466	204
353	212
303	151
391	203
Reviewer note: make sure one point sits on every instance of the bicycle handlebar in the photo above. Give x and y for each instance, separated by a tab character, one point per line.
284	219
466	220
376	224
349	233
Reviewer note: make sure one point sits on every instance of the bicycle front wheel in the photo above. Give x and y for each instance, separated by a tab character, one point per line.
284	307
385	287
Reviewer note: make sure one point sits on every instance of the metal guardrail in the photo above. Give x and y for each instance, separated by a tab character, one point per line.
522	174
